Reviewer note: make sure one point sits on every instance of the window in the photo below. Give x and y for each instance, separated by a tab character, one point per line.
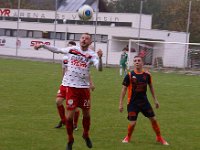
22	33
30	34
58	36
51	35
37	34
104	38
63	36
7	32
2	32
14	33
77	37
70	36
98	38
46	35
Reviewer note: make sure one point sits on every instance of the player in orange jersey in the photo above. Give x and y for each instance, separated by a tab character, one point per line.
136	83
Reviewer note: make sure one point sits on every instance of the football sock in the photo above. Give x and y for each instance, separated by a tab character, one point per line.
156	128
69	127
130	130
120	71
86	126
61	111
76	116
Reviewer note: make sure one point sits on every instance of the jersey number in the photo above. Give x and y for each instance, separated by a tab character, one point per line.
86	103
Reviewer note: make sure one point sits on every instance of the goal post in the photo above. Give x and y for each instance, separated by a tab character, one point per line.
155	53
163	53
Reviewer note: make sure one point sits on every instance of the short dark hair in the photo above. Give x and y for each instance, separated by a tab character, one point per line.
86	33
72	43
137	56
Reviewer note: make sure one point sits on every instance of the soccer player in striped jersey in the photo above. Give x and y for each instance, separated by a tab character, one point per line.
76	81
136	83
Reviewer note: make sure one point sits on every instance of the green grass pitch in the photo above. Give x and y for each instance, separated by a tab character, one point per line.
28	113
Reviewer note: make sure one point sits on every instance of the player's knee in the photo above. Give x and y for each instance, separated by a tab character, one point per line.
70	114
152	118
132	123
86	113
59	101
77	110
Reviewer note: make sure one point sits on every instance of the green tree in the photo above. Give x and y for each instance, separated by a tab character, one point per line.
167	14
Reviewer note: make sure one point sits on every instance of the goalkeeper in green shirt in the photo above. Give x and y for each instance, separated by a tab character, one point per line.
123	62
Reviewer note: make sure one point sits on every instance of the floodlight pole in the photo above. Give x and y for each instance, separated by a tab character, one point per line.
129	54
96	22
187	34
17	34
55	23
140	22
66	30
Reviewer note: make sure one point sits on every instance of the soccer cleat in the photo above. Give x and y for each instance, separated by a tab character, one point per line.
59	124
69	145
75	128
88	142
126	140
161	140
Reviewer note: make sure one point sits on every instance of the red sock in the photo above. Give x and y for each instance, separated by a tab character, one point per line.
61	111
156	128
69	128
86	126
76	116
130	130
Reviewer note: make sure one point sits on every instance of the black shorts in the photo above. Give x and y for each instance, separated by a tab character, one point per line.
134	107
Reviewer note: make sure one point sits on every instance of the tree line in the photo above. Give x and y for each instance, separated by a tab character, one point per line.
167	14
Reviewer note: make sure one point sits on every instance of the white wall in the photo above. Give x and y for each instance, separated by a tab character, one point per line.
174	55
146	20
173	58
158	51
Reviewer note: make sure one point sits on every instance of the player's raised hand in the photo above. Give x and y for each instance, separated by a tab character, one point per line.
100	53
38	46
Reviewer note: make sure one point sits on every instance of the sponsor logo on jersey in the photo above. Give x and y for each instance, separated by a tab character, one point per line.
79	61
75	52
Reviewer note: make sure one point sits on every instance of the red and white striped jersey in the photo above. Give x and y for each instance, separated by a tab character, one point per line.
78	66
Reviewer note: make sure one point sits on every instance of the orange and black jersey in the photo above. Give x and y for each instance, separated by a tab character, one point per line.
137	85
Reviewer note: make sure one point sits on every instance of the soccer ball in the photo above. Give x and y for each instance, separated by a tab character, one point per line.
85	12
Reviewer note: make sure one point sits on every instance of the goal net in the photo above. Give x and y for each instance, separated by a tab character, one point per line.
165	54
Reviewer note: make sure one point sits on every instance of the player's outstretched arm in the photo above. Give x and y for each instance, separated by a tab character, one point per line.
50	48
121	99
153	95
38	46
